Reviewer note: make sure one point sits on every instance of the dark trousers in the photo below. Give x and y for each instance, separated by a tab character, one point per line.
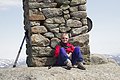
76	56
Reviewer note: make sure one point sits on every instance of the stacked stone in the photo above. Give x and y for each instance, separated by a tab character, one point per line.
46	20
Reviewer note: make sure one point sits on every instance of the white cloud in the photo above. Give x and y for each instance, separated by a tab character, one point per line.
6	4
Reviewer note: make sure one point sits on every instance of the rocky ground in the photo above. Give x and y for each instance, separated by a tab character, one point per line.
102	69
109	71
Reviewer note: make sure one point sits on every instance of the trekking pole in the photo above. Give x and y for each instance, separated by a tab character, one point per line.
19	52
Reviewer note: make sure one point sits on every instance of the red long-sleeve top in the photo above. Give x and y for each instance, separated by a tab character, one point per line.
68	47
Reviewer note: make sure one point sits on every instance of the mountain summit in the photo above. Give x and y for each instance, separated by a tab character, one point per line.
102	69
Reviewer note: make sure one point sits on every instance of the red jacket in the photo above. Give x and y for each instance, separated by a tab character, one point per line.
68	47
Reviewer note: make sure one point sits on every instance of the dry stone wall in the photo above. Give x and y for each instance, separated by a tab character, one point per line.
44	22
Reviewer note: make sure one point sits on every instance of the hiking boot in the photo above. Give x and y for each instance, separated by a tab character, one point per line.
69	64
80	66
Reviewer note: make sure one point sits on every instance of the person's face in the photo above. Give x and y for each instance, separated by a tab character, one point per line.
65	38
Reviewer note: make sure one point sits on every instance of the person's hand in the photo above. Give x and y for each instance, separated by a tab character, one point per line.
70	55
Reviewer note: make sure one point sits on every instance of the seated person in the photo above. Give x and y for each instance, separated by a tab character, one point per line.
67	54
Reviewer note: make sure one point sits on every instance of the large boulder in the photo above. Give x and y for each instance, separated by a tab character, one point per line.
94	72
101	59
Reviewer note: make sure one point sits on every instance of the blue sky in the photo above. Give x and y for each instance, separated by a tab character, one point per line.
12	28
104	37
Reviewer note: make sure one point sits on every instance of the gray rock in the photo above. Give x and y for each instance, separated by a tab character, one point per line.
42	5
41	51
34	23
48	0
55	30
38	39
66	12
84	21
54	42
35	61
101	59
80	40
58	35
34	14
73	9
38	29
79	14
74	23
55	20
49	35
64	7
82	8
66	16
52	12
64	28
62	1
77	31
51	26
77	2
93	72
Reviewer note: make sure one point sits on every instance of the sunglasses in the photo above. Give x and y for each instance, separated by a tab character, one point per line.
64	38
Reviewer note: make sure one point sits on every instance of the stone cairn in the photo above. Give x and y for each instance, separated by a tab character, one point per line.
44	22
